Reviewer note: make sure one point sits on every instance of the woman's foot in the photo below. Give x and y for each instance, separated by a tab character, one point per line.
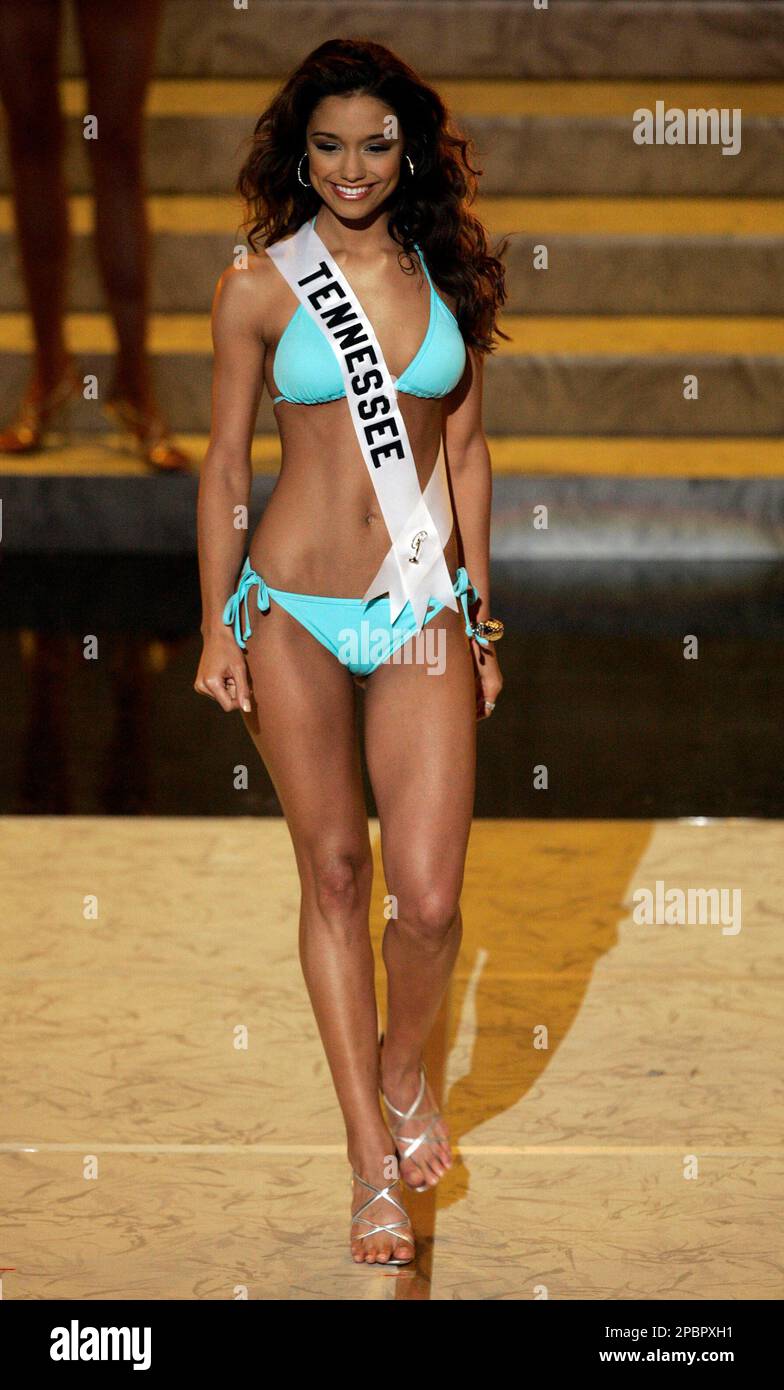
377	1202
43	407
142	420
420	1132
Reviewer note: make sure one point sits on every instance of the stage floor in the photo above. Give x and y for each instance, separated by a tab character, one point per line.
144	1155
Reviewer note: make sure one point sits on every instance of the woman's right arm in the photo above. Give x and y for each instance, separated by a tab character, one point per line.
226	475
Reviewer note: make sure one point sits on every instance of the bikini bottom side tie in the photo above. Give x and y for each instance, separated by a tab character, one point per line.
462	586
239	599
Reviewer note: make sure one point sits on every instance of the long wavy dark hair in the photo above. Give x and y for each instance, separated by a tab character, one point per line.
431	206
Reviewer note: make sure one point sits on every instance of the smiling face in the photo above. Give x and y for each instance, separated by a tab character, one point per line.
354	146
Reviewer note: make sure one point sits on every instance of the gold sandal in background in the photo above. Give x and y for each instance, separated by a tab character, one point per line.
150	434
41	413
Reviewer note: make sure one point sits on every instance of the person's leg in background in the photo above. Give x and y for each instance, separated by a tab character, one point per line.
29	46
118	44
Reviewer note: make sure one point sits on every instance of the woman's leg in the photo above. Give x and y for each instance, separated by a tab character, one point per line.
420	744
29	38
303	725
118	43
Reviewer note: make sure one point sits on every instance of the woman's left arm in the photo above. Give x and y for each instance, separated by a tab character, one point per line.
470	473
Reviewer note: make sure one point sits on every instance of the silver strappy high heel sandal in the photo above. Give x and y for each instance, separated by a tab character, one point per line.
403	1116
390	1226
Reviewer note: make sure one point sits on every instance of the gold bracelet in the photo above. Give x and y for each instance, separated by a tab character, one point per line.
491	628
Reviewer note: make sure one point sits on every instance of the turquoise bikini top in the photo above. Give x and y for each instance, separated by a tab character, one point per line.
307	371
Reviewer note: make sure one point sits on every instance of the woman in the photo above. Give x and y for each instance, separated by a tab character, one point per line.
355	165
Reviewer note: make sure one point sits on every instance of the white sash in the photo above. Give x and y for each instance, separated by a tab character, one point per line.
419	524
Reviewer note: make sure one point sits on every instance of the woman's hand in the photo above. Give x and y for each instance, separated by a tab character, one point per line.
488	678
223	674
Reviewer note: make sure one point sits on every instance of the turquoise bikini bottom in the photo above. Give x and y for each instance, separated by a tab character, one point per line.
359	634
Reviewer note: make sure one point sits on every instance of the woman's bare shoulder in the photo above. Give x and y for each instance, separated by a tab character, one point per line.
249	293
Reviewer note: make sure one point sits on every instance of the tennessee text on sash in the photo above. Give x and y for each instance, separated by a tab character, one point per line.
419	524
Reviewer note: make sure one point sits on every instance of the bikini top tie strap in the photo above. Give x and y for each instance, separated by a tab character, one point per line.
418	250
461	587
231	612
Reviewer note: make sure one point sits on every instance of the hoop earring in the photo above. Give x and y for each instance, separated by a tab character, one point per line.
410	165
299	172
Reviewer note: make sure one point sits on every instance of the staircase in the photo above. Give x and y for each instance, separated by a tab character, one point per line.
663	263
